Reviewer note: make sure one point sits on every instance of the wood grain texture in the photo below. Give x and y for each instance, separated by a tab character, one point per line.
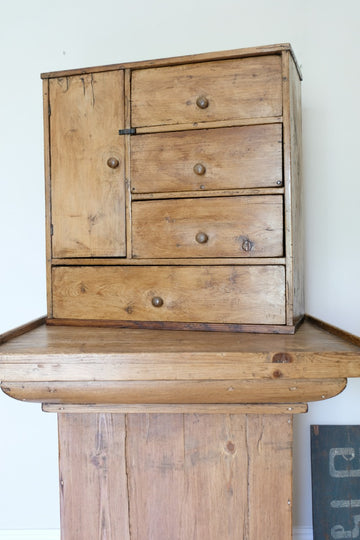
209	125
127	146
230	227
169	325
204	261
187	476
233	158
75	355
180	408
88	213
93	481
47	176
297	204
269	476
206	194
253	295
275	390
294	234
243	88
347	336
20	330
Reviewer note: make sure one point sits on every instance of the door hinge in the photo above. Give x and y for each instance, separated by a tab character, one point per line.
51	229
129	131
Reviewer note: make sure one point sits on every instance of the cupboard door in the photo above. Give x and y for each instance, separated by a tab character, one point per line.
87	165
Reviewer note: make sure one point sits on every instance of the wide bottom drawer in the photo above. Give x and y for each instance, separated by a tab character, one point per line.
216	294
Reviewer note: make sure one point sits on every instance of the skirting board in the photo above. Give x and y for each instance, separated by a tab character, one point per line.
300	533
26	534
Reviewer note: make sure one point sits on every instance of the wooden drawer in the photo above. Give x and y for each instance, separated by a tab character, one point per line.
218	294
247	226
208	159
207	91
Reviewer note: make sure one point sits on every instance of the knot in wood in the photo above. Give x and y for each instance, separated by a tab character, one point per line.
230	446
282	358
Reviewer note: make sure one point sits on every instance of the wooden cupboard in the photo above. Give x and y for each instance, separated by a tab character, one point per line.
174	192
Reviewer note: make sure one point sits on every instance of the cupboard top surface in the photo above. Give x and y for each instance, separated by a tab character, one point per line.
74	344
111	365
203	57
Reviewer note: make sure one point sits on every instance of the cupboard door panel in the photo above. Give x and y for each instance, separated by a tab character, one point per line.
87	165
207	91
211	227
208	159
218	294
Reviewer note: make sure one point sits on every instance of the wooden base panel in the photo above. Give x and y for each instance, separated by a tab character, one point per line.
182	476
159	325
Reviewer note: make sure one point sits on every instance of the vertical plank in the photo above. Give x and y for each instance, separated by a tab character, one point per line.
209	476
127	155
269	480
297	192
93	482
216	479
155	464
294	237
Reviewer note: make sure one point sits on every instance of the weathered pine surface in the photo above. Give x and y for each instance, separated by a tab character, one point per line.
210	176
246	88
111	365
242	157
175	476
87	192
197	294
228	227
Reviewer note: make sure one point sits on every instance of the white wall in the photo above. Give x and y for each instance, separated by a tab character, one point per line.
44	35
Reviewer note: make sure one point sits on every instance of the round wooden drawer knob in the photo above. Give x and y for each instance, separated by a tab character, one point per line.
199	169
202	102
201	238
112	162
247	245
157	301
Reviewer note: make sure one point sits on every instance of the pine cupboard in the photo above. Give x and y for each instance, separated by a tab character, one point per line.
174	193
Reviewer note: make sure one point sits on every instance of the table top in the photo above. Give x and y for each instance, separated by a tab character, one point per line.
64	364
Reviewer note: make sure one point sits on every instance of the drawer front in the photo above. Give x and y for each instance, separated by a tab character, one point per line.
250	226
209	159
219	294
207	91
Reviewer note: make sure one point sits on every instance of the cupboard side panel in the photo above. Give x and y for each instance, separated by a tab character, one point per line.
297	193
46	116
294	236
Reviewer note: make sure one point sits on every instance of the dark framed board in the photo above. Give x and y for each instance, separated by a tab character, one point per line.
335	469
